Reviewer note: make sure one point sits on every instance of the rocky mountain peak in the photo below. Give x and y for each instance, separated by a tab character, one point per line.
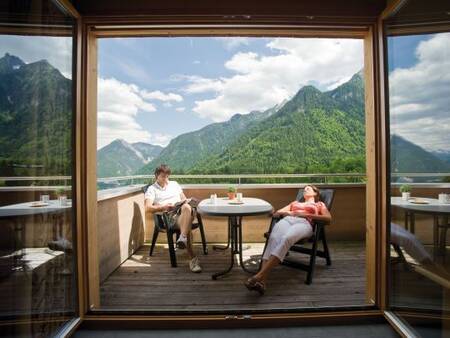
10	63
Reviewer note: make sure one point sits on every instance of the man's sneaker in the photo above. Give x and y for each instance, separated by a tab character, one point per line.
182	242
194	265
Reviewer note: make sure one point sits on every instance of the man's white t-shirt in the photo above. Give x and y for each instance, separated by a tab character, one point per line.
171	193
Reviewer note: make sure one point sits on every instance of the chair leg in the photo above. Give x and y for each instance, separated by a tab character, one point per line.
202	234
154	238
173	257
312	260
262	255
325	248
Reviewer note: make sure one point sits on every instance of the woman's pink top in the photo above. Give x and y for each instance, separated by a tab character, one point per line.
314	208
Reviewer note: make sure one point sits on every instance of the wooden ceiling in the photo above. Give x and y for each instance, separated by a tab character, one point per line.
232	8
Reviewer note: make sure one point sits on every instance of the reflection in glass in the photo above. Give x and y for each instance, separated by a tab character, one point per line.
419	106
37	260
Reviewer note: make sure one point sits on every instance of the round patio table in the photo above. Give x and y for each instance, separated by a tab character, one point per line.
18	213
431	207
235	212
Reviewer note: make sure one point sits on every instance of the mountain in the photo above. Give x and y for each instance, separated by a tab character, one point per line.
407	157
120	158
186	150
310	133
35	118
350	96
443	155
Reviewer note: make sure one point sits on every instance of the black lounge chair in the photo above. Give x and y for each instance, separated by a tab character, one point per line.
326	196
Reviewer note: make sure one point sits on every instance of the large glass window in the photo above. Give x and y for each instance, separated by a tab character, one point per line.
37	236
263	115
418	52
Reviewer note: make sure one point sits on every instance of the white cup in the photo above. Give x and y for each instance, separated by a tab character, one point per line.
443	198
239	197
62	201
213	199
45	198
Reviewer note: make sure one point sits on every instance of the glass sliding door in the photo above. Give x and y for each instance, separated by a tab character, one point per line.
37	233
418	55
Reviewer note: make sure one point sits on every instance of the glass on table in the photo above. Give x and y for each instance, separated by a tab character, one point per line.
45	198
213	199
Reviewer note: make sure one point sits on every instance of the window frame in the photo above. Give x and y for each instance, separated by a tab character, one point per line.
101	27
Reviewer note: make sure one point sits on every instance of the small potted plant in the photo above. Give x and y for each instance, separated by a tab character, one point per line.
62	196
405	189
231	193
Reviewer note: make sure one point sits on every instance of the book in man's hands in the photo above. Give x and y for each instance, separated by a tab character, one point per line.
193	202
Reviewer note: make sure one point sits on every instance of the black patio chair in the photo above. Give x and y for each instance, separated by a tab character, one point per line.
326	196
162	224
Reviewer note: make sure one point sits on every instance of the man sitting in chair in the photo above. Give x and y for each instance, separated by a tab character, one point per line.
162	196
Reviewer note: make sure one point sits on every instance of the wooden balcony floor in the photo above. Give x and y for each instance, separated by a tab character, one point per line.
149	283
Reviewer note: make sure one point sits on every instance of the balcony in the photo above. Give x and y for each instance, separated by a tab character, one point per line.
141	282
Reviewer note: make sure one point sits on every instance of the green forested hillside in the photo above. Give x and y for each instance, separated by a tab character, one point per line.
186	150
309	134
407	157
35	118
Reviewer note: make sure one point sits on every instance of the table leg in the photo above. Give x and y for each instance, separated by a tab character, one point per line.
443	235
221	247
241	260
19	224
406	220
232	221
435	234
413	222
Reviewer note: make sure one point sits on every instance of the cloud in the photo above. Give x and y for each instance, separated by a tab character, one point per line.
56	50
161	139
262	81
420	96
180	109
231	43
198	84
196	62
132	69
158	95
118	105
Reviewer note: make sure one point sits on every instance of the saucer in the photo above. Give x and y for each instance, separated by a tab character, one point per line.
235	202
38	204
418	201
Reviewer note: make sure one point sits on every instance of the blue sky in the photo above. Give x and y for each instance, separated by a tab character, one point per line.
402	50
419	89
154	63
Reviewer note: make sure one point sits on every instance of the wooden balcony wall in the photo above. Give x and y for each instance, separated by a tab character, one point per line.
120	230
348	214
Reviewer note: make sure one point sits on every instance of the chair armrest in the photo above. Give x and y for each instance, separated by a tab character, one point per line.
323	223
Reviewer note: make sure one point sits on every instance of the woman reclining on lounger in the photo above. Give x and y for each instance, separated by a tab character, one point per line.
296	225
